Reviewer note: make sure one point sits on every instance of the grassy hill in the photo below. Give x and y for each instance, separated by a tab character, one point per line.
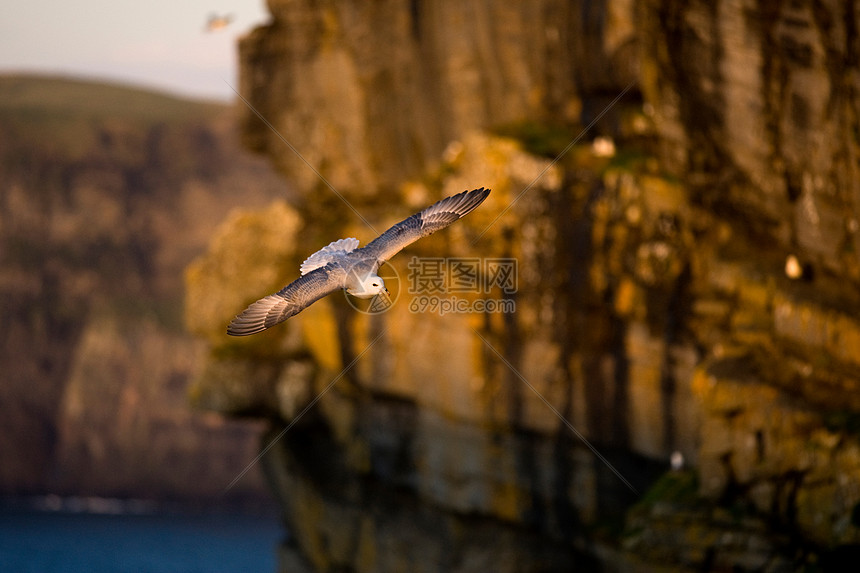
58	113
59	96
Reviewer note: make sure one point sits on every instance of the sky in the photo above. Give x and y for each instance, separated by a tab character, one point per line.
160	44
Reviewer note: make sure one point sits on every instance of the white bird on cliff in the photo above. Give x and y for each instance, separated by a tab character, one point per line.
341	265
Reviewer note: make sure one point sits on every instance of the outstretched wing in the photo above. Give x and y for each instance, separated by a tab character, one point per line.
289	301
437	216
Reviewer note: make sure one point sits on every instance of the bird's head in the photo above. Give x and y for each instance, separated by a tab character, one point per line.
367	286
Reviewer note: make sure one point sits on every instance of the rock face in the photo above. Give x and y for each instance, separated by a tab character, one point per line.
370	94
106	194
692	297
761	103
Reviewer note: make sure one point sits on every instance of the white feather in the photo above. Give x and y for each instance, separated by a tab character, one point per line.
329	253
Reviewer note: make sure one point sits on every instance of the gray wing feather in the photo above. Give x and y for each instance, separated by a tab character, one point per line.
289	301
437	216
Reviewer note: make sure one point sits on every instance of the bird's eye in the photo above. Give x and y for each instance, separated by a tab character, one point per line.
374	284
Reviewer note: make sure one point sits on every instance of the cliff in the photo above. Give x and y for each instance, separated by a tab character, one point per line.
686	290
106	194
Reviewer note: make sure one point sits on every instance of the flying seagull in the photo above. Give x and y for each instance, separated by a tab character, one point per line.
216	22
341	265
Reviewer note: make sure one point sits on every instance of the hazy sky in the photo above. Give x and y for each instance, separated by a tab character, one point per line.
155	43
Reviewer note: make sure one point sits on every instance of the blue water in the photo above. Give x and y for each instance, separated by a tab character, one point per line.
57	542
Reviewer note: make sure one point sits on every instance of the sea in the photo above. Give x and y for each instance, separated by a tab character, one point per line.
96	535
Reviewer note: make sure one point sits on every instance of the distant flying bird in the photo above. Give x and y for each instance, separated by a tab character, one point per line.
340	265
216	22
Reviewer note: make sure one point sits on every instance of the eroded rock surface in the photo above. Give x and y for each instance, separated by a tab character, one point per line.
655	318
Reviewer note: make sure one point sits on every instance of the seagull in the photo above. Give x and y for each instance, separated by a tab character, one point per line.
341	265
216	22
